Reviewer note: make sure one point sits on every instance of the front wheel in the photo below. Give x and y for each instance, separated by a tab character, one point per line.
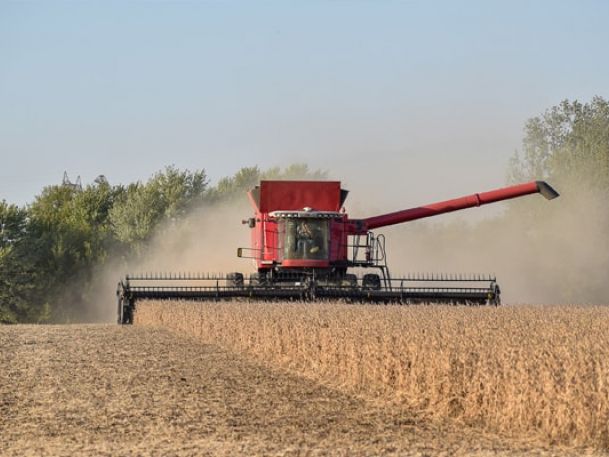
349	280
371	281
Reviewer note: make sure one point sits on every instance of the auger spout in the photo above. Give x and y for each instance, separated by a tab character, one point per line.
457	204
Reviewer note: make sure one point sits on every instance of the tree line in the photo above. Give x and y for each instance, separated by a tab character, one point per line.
51	249
66	233
541	252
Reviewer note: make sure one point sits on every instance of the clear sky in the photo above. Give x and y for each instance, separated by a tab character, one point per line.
396	94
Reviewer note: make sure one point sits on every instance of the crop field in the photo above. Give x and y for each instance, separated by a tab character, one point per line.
224	379
535	372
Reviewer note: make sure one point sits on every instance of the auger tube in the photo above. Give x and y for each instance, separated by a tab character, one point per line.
457	204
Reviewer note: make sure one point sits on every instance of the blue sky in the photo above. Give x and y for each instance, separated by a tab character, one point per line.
392	95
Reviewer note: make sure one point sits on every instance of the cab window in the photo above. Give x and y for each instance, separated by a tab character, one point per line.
304	238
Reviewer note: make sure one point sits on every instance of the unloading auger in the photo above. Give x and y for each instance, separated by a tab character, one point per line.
306	248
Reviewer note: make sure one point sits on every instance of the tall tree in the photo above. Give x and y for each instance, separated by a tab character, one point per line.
567	240
568	143
50	251
168	195
19	277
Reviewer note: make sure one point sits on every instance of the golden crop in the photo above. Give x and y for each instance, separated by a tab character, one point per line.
534	371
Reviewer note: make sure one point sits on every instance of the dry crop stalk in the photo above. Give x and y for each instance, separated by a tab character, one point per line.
539	371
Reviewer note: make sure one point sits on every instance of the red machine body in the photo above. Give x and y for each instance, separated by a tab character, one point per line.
276	202
282	207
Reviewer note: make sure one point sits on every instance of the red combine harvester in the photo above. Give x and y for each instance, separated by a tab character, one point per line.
305	247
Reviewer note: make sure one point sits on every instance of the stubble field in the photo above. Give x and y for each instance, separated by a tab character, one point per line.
245	379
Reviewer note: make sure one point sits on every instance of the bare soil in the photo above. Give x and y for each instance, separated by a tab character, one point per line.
121	391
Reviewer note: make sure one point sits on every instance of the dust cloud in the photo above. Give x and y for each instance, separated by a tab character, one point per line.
542	252
205	241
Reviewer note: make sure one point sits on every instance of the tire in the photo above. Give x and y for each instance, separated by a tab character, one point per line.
349	280
371	281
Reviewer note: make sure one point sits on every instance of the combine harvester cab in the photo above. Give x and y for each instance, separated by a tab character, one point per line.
306	247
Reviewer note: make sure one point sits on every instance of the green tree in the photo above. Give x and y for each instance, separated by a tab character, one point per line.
569	144
13	221
566	240
18	273
68	234
51	250
140	208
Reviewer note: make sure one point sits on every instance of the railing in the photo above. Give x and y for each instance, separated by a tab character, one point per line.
373	248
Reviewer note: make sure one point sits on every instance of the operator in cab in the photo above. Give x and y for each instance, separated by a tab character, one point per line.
306	239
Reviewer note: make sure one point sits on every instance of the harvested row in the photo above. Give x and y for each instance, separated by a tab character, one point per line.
538	372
